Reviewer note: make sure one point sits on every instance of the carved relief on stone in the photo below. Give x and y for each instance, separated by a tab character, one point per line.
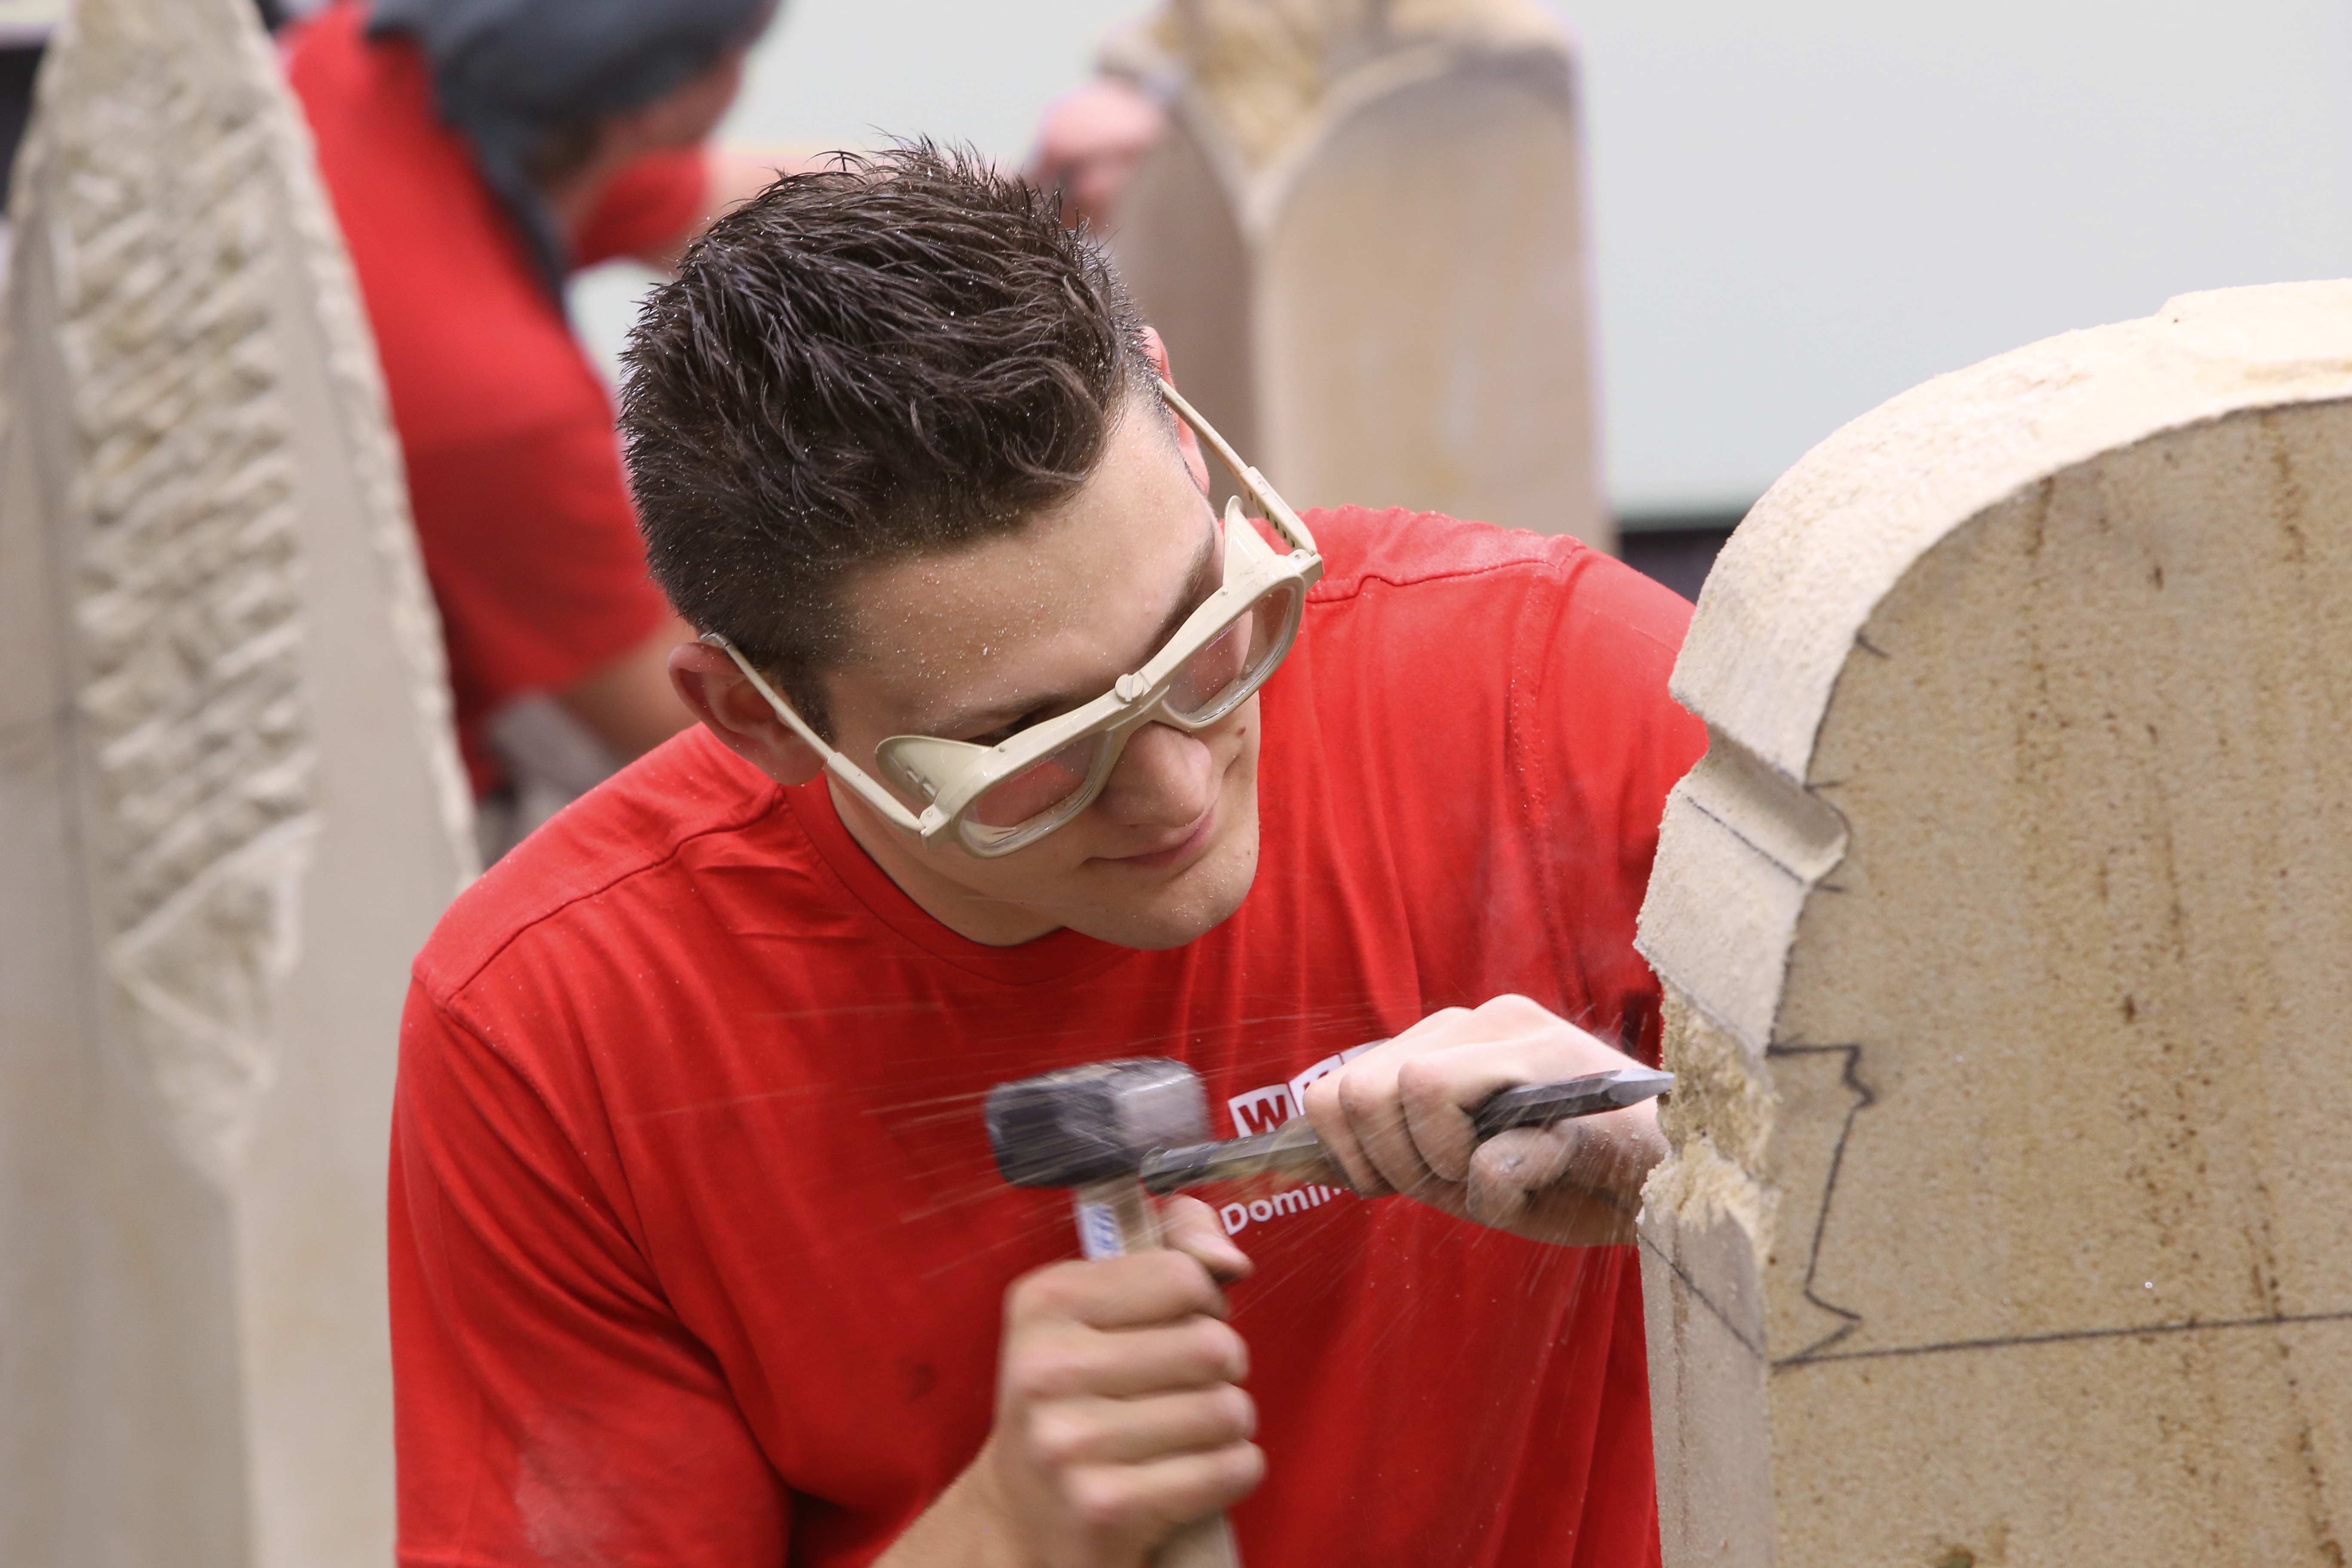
185	567
2003	931
1263	71
186	587
230	811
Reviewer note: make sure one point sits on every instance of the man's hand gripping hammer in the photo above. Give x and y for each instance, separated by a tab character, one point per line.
1089	1129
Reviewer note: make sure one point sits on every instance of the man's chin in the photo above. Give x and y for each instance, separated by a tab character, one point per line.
1188	905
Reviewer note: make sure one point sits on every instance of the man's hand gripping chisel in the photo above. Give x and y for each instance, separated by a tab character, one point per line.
1293	1149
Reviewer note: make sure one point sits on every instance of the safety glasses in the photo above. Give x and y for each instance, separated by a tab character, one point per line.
997	799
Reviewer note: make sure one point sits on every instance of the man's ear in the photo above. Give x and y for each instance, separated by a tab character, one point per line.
1186	442
731	708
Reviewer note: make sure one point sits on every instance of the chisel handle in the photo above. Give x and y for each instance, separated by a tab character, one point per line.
1115	1218
1541	1104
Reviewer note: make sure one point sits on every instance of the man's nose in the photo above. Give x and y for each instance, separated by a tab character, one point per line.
1165	778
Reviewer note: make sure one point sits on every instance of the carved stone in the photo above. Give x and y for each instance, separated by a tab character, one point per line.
2004	929
1363	238
229	812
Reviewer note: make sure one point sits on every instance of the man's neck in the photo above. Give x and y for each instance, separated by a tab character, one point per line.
992	922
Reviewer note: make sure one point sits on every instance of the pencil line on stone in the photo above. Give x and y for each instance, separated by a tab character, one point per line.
1805	1358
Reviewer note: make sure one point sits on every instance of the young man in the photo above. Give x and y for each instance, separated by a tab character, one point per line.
1007	762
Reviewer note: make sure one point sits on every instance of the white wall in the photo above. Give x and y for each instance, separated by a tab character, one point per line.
848	73
840	72
1802	208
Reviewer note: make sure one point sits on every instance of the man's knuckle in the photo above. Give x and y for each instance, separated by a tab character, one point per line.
1178	1286
1360	1096
1052	1292
1233	1415
1064	1437
1046	1371
1221	1353
1321	1095
1439	1024
1420	1078
1176	1270
1491	1200
1100	1497
1239	1469
1199	1291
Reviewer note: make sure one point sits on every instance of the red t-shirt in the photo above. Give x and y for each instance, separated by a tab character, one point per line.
698	1251
514	471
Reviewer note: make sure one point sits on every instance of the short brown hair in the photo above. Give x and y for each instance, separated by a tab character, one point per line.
901	353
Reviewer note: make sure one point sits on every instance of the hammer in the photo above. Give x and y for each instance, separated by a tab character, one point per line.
1088	1129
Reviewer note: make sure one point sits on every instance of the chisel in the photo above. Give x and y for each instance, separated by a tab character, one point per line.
1293	1149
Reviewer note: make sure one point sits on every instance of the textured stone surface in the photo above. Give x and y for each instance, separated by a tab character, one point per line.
1363	239
229	811
2004	928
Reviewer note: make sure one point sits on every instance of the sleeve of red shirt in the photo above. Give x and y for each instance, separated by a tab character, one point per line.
534	554
650	207
550	1407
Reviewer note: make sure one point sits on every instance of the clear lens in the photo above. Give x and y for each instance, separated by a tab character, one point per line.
1041	797
1215	681
1037	790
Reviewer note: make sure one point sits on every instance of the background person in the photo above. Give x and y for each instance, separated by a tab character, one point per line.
477	153
699	1255
1090	142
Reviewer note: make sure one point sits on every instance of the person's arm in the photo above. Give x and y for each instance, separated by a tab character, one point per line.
1397	1119
628	704
734	174
1091	142
540	576
1120	1413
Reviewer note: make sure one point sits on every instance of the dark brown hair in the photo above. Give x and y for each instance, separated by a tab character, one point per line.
904	353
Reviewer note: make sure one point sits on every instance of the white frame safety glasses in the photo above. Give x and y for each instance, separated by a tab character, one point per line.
953	777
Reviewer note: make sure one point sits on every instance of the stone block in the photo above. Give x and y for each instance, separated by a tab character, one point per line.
2004	930
1363	238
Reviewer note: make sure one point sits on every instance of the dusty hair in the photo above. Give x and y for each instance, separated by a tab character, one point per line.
901	353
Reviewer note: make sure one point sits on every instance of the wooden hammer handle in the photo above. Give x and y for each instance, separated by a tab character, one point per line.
1115	1218
1204	1543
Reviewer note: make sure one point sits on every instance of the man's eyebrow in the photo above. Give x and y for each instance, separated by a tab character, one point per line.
1191	600
1186	603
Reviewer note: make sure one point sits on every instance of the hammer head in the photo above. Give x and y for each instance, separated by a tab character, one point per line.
1088	1124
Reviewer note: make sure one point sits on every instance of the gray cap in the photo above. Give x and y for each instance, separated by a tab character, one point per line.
507	72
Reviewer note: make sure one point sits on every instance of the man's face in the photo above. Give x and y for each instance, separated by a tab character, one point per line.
974	644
